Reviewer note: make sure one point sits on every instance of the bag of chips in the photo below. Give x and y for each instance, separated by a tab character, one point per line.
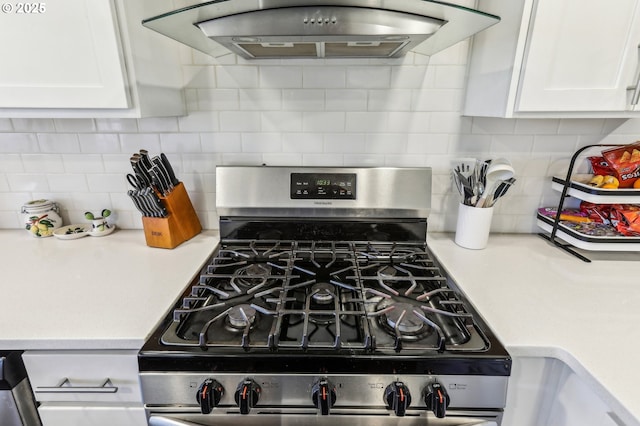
625	162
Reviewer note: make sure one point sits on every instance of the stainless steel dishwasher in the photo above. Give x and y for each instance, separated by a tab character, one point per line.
17	404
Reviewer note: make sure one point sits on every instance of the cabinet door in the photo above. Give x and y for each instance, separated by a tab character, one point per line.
581	56
91	416
84	376
62	54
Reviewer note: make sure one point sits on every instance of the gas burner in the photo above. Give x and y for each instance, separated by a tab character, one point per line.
399	319
240	316
387	271
403	318
322	293
252	275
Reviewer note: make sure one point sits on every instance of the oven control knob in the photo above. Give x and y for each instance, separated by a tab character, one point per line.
397	398
247	395
209	395
436	399
323	395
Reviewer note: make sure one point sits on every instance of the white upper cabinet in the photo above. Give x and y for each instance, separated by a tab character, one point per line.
549	58
78	58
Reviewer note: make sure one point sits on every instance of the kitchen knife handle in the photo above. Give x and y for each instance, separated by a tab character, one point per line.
169	169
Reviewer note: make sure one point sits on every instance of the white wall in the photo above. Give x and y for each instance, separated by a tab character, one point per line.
403	112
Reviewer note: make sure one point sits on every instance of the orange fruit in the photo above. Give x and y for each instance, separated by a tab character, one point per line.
609	186
636	184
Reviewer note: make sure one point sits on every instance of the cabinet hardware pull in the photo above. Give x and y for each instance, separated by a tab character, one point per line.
66	387
636	91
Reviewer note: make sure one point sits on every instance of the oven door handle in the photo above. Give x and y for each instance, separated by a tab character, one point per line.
165	421
155	420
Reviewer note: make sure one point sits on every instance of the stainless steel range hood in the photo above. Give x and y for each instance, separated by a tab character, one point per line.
259	29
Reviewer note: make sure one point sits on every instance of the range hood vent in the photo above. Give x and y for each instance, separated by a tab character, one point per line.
259	29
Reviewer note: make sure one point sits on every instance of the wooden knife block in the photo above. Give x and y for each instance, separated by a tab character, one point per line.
180	225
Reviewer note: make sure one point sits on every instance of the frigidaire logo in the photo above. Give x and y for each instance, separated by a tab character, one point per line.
323	203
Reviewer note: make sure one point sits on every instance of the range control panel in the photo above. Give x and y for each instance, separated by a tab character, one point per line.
323	186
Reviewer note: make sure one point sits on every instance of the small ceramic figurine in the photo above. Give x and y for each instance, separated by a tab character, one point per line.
99	224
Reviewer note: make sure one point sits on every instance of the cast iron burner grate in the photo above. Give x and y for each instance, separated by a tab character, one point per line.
323	295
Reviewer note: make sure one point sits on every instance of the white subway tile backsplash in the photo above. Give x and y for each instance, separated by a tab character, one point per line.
198	76
581	126
303	100
372	77
240	159
58	142
78	125
107	182
11	163
82	163
368	122
43	163
386	143
28	182
428	143
282	159
240	121
99	143
341	143
323	121
346	100
449	76
218	99
402	112
444	122
33	125
134	142
329	77
221	142
195	163
555	143
411	122
261	142
179	142
199	121
5	125
389	100
436	100
118	125
411	77
535	127
505	144
4	184
18	142
302	143
260	99
160	124
68	182
323	160
278	77
236	77
281	121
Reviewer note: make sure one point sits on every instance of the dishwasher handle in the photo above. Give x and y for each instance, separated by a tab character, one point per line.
66	387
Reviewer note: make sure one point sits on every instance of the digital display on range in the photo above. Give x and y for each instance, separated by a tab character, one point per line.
323	186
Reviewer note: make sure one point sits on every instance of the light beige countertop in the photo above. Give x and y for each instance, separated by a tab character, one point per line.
542	302
111	292
93	292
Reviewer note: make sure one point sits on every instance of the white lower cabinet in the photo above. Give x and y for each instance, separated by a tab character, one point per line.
547	392
91	416
86	387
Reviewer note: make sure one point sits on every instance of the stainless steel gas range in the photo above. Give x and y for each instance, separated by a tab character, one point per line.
321	305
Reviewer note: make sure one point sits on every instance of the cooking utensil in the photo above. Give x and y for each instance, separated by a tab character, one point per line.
500	191
499	170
